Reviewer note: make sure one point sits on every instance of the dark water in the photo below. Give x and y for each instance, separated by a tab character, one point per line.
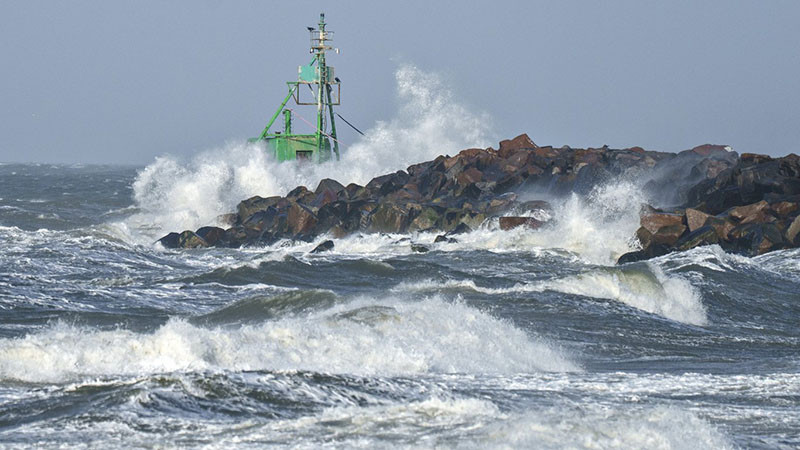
504	339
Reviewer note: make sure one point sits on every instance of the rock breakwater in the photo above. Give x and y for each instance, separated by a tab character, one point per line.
747	204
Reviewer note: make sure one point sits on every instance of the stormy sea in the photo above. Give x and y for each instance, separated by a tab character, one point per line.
501	339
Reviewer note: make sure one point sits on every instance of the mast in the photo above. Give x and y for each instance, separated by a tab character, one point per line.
325	75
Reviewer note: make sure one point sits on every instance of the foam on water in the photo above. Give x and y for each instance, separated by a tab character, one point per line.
362	337
177	195
650	290
599	427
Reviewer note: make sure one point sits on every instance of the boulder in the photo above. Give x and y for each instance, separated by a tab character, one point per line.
652	251
695	218
784	208
300	219
753	213
756	238
188	239
210	234
389	218
323	247
170	240
252	205
419	248
705	235
511	222
518	143
668	235
792	232
655	221
427	218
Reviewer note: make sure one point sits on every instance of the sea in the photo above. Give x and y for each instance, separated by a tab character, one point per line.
499	339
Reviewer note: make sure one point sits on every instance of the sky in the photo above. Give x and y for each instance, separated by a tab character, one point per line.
123	82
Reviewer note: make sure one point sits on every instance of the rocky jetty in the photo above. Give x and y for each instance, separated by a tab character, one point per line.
750	208
747	204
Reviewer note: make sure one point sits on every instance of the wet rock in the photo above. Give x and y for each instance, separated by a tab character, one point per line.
419	248
656	221
210	234
511	222
461	228
785	209
323	247
652	251
443	238
668	235
188	239
427	219
170	240
753	213
252	205
389	218
300	219
756	238
792	232
695	218
705	235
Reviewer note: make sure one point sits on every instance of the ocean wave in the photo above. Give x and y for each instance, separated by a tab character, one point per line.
364	337
645	287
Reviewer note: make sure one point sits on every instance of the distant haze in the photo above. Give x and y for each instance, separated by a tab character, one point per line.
123	82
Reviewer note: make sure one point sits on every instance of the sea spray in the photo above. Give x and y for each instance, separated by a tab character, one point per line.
176	195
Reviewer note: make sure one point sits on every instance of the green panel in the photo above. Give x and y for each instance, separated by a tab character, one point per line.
307	73
298	146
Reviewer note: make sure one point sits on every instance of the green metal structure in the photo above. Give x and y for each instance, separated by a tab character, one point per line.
325	89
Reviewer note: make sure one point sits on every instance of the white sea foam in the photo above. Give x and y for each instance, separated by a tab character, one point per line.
652	291
601	427
363	337
177	195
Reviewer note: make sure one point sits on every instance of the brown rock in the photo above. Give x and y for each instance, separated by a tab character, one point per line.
695	219
793	232
754	158
702	236
721	226
520	142
426	219
188	239
510	222
254	204
784	208
668	235
389	218
655	221
300	220
752	213
471	175
210	234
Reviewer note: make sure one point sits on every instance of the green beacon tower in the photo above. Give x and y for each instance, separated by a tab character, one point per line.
318	77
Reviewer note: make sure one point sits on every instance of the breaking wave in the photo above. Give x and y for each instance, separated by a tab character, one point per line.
649	290
363	337
175	195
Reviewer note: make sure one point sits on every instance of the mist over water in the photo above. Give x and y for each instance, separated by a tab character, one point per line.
502	339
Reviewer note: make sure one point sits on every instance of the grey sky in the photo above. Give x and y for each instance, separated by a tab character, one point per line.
122	82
